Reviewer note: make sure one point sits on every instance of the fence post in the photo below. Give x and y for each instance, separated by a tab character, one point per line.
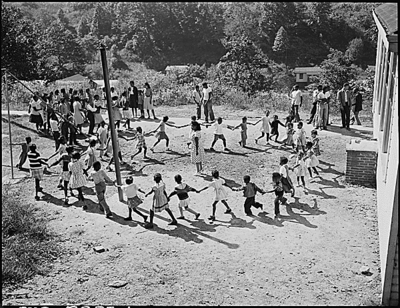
9	122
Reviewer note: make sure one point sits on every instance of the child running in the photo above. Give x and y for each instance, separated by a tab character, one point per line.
289	136
160	201
161	133
99	178
91	158
24	152
130	190
315	141
300	138
285	178
278	189
141	144
311	160
78	179
36	165
218	134
249	191
65	176
243	130
102	135
181	190
220	193
265	127
300	168
274	127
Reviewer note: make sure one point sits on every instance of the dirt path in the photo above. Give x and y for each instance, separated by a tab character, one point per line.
311	257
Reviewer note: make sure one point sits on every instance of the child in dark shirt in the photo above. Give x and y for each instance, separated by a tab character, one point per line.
249	191
274	127
181	190
278	189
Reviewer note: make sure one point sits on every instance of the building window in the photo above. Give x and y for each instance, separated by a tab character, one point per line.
301	76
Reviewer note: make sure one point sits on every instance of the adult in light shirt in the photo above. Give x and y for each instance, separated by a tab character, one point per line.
196	95
320	97
344	98
207	102
314	107
297	101
35	109
323	108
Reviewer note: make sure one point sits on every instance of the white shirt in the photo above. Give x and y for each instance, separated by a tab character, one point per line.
206	93
197	97
218	128
327	94
130	190
346	99
315	93
283	171
37	106
320	95
296	97
54	125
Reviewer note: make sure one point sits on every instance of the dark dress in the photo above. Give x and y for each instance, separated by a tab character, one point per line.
358	104
133	98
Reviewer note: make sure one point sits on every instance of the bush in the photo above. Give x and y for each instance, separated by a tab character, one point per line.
27	245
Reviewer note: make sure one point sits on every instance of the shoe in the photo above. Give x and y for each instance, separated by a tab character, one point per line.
228	211
226	149
212	149
37	198
240	143
197	216
256	141
149	226
212	218
277	217
180	217
109	215
249	214
66	201
152	149
167	149
128	218
84	207
145	218
348	128
40	189
60	186
173	223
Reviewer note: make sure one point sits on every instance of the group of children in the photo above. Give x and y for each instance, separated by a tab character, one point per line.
75	171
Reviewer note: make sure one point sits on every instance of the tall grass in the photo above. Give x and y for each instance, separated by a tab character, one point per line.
28	247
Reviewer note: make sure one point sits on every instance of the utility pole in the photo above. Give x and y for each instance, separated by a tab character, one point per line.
111	119
9	122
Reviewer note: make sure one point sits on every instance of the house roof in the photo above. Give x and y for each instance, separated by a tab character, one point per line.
75	78
100	83
176	67
308	70
387	15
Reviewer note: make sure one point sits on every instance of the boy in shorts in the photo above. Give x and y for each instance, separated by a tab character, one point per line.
161	133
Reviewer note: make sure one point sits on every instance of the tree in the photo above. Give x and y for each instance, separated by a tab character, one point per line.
83	27
281	43
354	51
336	70
18	44
241	65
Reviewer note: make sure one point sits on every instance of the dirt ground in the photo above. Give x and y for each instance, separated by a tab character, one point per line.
312	256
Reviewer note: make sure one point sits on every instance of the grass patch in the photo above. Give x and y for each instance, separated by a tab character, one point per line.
28	247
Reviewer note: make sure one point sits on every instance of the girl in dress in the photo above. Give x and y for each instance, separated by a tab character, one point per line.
78	118
181	190
78	179
98	118
265	127
197	150
160	201
289	136
91	158
315	142
117	111
148	100
311	160
141	144
220	193
243	130
102	135
130	190
300	138
300	168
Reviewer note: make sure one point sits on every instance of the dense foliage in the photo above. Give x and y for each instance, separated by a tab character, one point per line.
50	40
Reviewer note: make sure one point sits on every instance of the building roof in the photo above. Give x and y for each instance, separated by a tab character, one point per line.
308	70
75	78
387	15
176	67
100	83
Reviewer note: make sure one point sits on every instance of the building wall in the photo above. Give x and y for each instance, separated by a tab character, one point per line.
385	108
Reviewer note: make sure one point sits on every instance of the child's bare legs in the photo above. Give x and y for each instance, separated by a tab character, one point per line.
157	142
154	115
303	181
150	224
173	222
181	211
262	135
37	188
199	167
167	142
190	211
214	208
137	212
148	113
315	170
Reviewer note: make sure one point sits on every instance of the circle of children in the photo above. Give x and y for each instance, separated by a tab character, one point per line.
67	113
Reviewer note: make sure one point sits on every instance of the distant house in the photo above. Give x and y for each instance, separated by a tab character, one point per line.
78	79
173	69
386	132
303	74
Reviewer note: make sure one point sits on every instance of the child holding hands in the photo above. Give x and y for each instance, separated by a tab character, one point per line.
249	191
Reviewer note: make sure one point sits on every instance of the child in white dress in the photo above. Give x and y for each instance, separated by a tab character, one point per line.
311	159
220	193
300	168
265	127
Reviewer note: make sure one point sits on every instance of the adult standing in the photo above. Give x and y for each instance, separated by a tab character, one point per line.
78	118
314	107
357	106
133	98
328	95
91	110
297	101
196	95
323	109
207	102
197	151
35	112
344	98
148	100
